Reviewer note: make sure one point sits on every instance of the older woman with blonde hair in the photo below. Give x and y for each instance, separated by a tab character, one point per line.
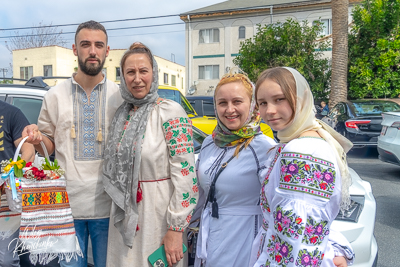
148	168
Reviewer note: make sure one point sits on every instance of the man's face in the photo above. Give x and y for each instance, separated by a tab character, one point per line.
92	50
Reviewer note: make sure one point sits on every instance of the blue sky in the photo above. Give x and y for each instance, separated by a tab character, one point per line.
163	41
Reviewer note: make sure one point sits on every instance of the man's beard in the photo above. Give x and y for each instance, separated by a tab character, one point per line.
88	69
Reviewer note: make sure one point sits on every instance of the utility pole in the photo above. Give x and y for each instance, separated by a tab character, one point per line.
4	70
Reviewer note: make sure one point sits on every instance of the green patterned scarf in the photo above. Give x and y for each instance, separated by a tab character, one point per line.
224	137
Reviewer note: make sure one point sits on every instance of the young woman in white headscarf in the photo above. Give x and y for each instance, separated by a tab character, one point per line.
228	170
148	168
307	181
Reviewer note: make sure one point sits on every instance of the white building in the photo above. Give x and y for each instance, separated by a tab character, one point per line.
214	33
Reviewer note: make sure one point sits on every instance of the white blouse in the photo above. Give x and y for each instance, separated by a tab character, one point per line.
300	197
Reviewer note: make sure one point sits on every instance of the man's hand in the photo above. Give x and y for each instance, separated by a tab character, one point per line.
173	246
340	261
35	137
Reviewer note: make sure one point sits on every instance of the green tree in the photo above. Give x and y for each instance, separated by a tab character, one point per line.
291	44
374	50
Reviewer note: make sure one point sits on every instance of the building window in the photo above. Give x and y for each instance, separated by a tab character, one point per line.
117	74
326	26
47	70
242	32
165	78
26	72
209	36
173	80
209	72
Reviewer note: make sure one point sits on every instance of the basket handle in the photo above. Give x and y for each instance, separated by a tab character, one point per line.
46	154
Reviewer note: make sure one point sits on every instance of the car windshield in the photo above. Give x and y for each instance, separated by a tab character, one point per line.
177	97
373	107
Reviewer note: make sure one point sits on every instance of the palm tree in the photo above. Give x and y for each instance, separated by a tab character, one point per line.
340	10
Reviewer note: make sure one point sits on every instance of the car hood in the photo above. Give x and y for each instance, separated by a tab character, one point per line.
206	124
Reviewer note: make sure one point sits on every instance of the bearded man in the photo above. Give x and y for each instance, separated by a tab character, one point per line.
74	122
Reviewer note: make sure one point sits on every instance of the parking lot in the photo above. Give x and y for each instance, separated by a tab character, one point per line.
385	182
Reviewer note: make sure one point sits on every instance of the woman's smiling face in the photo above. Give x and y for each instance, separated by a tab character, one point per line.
273	105
232	105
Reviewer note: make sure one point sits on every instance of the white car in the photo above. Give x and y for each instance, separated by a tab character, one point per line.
389	140
357	224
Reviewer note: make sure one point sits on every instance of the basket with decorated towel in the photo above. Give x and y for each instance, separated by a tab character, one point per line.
47	227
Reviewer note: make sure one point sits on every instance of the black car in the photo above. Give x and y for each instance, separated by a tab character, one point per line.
359	120
204	105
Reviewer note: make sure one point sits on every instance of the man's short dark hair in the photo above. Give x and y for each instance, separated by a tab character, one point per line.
91	25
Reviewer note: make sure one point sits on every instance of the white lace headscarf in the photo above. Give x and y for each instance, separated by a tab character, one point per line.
304	120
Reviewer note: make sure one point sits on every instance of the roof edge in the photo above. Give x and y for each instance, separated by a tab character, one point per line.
254	9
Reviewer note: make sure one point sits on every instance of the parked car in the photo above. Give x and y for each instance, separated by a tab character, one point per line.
360	120
204	105
27	97
389	139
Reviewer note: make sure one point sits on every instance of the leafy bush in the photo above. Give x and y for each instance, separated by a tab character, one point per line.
290	44
374	50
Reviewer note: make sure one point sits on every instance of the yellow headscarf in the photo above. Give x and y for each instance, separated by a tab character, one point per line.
304	120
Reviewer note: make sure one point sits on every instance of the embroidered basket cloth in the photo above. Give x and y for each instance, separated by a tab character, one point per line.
47	227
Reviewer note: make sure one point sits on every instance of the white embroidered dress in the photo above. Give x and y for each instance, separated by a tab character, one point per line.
300	198
168	183
227	240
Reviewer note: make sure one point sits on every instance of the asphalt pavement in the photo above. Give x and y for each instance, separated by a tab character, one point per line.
385	182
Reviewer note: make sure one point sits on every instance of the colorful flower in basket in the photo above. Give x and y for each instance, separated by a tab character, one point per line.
47	171
18	166
12	171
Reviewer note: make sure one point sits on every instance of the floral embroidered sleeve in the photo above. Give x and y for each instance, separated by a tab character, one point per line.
303	209
201	199
178	134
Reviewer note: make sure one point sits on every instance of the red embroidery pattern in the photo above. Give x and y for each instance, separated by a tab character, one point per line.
179	135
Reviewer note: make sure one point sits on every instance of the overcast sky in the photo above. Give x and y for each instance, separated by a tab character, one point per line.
163	41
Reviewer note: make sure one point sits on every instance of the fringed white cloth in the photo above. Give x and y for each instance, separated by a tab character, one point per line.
47	227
